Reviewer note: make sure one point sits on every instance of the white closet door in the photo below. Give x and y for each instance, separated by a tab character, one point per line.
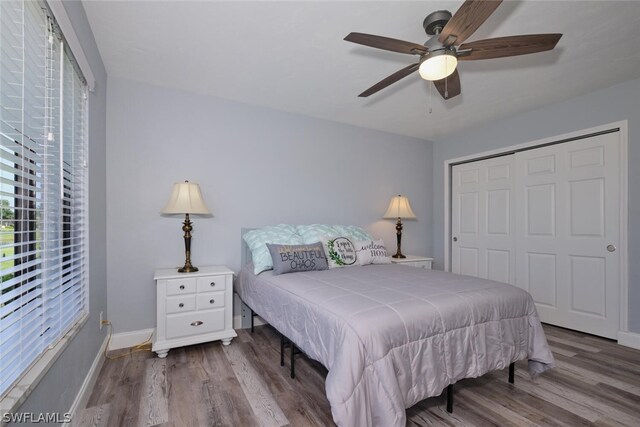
483	219
567	211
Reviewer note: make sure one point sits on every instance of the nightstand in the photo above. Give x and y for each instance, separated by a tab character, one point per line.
193	308
414	261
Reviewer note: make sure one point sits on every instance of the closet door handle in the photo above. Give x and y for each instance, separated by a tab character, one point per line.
611	248
455	239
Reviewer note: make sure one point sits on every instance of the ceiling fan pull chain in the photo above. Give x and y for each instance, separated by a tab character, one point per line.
430	100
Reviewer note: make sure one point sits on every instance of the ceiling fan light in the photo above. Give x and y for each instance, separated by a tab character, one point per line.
438	65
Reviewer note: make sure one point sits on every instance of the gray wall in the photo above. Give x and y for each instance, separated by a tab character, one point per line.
620	102
256	167
60	385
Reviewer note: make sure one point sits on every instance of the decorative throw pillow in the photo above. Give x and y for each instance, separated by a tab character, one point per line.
340	251
371	252
295	258
257	240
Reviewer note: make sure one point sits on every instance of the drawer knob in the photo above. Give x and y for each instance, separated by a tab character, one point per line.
181	286
211	301
181	305
213	284
196	323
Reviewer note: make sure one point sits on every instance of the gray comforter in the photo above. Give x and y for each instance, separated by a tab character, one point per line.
393	335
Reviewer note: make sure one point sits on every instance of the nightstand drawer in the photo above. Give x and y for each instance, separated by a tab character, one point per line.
180	304
210	300
195	323
212	283
181	286
423	264
414	261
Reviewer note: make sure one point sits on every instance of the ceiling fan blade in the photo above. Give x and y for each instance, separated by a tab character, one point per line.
386	43
466	20
449	86
501	47
390	80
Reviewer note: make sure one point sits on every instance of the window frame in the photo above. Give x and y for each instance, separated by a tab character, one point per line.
20	389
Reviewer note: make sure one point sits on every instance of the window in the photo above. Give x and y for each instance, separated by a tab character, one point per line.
43	187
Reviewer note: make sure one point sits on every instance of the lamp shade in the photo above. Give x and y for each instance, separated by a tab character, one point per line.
186	198
438	65
399	207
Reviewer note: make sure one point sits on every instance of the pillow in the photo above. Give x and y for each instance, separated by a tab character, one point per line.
371	252
313	232
340	251
257	240
354	232
295	258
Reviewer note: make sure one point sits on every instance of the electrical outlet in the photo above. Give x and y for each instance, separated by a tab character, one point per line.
101	313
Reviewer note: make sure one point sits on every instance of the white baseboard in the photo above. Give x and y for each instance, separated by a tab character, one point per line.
130	339
80	402
237	322
629	339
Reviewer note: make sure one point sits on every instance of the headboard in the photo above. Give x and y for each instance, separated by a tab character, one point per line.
245	252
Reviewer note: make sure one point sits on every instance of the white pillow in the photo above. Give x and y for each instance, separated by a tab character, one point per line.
340	251
371	252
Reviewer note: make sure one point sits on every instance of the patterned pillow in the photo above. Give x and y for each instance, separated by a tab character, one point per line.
295	258
313	232
257	240
353	231
371	252
340	251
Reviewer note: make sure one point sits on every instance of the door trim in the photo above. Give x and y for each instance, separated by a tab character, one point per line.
622	127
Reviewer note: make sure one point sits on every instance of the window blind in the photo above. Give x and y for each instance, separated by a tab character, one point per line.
43	185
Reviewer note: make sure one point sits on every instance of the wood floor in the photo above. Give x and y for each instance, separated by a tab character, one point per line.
596	382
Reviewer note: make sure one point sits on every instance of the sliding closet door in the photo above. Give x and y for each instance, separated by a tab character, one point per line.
567	211
483	219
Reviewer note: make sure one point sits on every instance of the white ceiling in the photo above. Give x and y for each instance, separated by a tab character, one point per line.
290	56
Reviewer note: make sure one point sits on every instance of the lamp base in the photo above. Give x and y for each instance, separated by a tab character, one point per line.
399	238
186	227
187	269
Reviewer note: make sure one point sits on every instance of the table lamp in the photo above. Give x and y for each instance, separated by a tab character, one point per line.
186	199
399	207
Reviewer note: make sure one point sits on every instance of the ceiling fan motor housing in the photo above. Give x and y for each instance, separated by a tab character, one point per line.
435	22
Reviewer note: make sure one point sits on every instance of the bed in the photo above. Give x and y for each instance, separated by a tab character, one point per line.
391	335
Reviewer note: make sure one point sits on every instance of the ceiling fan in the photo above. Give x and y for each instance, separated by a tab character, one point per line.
439	56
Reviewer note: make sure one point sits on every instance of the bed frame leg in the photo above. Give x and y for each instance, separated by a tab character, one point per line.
450	398
293	360
512	371
281	350
252	316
